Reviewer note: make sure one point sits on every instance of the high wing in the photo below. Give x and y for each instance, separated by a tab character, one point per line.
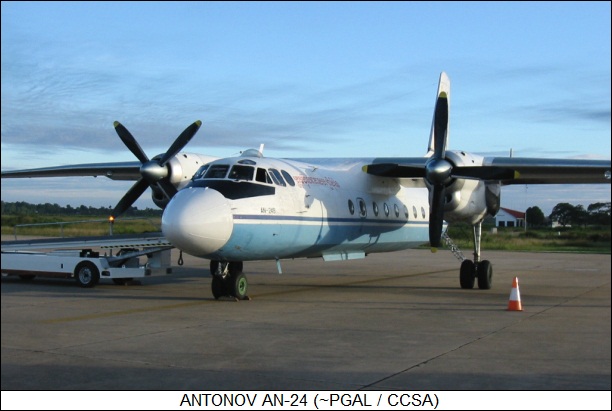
505	170
129	170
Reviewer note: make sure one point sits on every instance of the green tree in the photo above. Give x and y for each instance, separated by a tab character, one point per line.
599	213
535	217
580	216
562	213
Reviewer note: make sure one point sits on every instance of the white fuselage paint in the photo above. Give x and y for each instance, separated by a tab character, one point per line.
331	209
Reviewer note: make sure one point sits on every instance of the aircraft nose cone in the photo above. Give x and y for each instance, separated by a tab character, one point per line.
198	221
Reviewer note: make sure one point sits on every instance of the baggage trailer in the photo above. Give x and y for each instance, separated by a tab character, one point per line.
85	265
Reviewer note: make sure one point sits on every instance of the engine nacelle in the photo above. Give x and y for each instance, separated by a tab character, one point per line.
470	200
181	168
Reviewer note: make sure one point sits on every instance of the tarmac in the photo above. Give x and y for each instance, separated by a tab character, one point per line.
395	321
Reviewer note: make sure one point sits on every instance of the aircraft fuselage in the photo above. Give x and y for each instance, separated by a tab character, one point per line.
255	208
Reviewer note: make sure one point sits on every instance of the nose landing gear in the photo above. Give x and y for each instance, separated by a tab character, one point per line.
228	280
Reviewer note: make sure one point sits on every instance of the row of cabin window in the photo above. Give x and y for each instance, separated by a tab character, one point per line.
245	173
363	210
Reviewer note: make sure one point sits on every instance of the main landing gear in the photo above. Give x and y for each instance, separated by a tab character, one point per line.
472	270
228	280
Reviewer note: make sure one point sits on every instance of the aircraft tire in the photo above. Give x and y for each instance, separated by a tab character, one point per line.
218	287
239	286
235	267
86	274
485	275
467	274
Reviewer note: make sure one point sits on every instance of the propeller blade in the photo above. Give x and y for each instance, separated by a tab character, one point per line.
485	173
436	215
440	125
154	172
180	142
167	188
130	197
130	142
438	170
395	170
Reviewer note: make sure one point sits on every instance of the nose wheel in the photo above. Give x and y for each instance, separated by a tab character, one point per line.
228	280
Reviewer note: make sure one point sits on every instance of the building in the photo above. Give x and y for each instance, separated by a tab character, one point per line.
509	218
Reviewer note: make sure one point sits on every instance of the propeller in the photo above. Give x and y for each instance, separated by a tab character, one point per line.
438	170
155	173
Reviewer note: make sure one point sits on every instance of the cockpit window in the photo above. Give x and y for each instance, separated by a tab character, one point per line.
200	173
242	173
262	176
217	171
276	176
288	178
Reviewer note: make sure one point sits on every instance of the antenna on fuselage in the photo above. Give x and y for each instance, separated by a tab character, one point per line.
261	147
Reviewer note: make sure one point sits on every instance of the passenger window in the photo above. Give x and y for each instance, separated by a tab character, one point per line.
263	176
396	209
386	208
217	171
288	178
277	178
363	211
351	207
423	212
414	211
242	173
375	208
406	211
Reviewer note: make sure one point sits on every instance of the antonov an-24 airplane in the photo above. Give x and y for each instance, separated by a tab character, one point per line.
250	207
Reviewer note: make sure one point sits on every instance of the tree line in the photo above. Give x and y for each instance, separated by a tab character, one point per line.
23	208
567	214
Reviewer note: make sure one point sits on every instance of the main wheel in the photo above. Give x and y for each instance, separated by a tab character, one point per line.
467	274
238	285
86	274
485	275
218	287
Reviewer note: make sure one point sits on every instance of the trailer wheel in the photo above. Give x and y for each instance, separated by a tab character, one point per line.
86	274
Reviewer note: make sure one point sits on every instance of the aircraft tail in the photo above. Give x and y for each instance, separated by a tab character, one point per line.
443	91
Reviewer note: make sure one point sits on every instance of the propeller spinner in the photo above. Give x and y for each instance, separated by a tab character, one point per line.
154	172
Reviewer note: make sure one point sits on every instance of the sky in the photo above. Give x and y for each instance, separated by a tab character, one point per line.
307	79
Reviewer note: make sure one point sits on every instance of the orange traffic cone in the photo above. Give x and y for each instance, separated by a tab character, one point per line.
515	297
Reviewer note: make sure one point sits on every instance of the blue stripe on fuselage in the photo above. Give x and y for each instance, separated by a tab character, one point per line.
261	237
